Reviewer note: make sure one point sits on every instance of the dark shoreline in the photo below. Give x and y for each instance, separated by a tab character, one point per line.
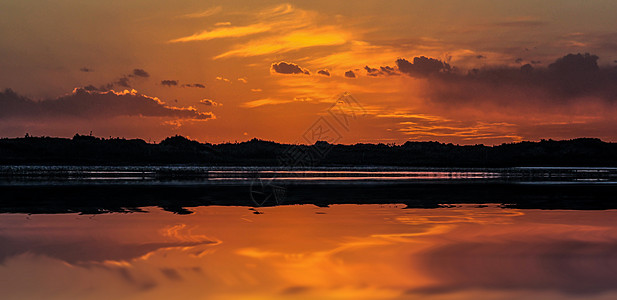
104	198
91	151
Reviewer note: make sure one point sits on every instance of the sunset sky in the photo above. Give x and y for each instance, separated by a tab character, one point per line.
466	72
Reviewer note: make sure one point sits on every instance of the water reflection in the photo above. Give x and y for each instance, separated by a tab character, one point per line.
307	252
212	175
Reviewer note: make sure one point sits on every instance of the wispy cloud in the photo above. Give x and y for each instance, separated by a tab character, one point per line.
202	14
299	39
473	131
278	18
282	29
224	32
265	101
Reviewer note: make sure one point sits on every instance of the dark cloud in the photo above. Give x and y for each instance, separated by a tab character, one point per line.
526	69
288	68
576	63
169	82
194	85
570	77
576	74
480	56
84	69
382	71
323	72
171	274
371	71
140	73
387	70
518	60
350	74
123	82
90	88
421	66
89	104
535	62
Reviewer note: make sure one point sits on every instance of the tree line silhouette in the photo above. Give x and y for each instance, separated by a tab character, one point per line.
90	150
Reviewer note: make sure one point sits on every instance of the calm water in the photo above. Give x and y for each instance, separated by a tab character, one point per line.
194	175
340	251
308	252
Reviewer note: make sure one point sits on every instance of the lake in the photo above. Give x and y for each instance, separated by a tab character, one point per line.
335	233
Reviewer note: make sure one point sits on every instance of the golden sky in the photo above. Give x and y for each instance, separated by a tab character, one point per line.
453	71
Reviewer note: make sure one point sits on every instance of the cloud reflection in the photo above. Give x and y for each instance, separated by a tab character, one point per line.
344	251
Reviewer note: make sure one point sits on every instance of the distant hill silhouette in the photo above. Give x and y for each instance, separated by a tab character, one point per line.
90	150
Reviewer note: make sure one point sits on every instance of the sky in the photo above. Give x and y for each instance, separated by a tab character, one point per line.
463	72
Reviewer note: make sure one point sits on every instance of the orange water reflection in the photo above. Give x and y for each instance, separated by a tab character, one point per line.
307	252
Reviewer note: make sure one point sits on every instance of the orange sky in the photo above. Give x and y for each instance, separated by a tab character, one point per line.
234	70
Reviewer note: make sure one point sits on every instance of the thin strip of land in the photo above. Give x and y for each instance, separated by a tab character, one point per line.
89	150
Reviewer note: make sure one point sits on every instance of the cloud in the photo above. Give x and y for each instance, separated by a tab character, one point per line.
272	19
124	81
265	101
350	74
242	79
387	70
570	77
279	10
288	68
90	88
84	69
278	29
573	95
382	71
294	40
371	71
194	85
323	72
209	102
206	13
140	73
223	32
88	104
169	82
421	66
425	129
222	79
